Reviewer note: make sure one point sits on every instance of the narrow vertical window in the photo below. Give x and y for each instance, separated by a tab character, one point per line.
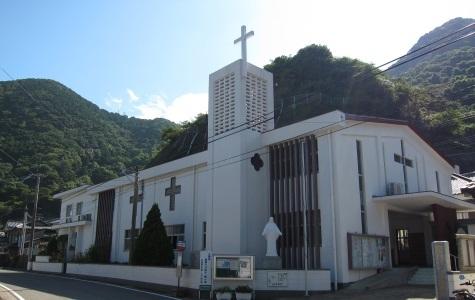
361	188
437	181
203	241
78	208
69	213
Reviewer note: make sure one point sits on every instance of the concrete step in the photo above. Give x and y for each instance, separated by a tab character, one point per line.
388	278
423	276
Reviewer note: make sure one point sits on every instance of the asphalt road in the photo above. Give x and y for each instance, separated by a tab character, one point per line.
16	285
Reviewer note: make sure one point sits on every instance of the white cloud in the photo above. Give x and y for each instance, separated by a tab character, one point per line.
114	103
132	96
182	108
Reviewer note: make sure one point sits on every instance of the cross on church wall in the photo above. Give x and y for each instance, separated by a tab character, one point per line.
172	191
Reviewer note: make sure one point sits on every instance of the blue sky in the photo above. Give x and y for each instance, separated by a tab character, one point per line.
152	58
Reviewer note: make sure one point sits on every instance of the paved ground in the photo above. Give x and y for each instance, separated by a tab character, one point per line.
405	292
43	286
17	285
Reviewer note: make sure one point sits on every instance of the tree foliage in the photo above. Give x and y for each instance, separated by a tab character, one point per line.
152	247
182	140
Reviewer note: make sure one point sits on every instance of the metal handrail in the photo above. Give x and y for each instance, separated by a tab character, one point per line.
456	262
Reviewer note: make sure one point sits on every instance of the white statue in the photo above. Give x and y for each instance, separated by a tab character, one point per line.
271	233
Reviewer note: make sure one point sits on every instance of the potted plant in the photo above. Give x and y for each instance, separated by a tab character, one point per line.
243	292
224	293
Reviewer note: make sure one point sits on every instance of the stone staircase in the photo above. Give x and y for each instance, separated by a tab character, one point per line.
423	276
388	278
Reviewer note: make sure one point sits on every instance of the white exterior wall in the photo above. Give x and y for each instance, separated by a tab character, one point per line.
379	143
85	233
190	198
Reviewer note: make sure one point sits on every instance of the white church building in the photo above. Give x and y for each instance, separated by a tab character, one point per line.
374	191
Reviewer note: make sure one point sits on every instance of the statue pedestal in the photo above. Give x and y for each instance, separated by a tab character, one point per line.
272	263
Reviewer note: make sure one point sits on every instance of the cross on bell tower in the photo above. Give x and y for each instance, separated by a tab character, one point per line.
243	39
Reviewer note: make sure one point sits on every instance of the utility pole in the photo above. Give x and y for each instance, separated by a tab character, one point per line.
23	231
32	235
134	214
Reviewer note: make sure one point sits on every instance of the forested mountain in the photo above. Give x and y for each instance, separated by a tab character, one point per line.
438	33
67	138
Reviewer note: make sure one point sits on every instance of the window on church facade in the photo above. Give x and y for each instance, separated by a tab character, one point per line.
203	241
437	182
286	181
127	238
69	213
175	233
402	236
78	208
361	188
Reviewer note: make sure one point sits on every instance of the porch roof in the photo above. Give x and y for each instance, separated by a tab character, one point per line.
422	201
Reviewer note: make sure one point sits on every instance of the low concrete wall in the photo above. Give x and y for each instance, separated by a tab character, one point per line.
157	275
318	280
48	267
42	259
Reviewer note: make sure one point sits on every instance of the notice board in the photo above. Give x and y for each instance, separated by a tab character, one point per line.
233	267
368	251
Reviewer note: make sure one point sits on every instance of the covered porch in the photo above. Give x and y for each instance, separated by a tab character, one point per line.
417	219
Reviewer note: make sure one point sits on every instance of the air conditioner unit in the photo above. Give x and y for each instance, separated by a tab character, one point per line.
394	188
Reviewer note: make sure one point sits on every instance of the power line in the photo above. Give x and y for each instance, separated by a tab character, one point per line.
10	157
217	164
15	160
19	84
418	56
425	46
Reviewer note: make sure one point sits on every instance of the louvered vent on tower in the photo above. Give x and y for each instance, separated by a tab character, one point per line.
224	103
256	102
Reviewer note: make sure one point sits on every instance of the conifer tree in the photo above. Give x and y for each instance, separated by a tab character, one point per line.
152	247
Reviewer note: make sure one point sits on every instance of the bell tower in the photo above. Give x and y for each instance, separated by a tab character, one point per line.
240	109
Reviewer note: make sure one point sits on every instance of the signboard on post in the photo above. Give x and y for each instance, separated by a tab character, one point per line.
180	247
233	268
206	265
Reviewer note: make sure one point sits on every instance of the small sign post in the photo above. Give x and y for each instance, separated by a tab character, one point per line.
180	247
206	261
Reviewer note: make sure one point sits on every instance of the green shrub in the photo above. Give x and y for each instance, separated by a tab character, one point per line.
243	289
152	247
